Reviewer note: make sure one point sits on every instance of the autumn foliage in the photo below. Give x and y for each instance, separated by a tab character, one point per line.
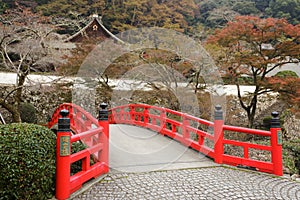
254	47
289	87
258	42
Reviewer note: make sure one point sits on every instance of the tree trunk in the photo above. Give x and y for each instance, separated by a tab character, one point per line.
18	94
251	119
253	112
16	115
20	83
251	108
14	108
197	81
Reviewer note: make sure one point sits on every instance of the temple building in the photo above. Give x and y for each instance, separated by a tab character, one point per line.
94	31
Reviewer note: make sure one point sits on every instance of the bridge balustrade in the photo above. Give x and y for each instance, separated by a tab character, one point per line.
205	136
88	130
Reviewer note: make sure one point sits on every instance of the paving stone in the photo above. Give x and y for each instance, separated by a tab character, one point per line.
202	183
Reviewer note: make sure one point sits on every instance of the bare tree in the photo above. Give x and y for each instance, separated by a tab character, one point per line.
23	49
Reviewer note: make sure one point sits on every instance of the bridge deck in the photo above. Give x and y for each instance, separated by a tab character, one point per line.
134	149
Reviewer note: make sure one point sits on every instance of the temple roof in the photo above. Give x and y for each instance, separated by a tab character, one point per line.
94	30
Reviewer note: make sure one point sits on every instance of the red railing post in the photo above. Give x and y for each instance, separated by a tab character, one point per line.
276	143
162	121
218	135
146	115
103	122
112	116
63	157
185	131
131	113
122	116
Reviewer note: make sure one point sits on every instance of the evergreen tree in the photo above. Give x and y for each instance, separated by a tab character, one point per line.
288	9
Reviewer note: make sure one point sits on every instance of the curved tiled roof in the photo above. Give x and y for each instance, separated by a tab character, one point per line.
95	19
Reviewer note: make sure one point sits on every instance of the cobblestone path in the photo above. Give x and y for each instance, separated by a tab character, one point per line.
203	183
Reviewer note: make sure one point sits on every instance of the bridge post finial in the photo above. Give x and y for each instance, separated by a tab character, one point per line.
64	121
218	112
275	121
103	112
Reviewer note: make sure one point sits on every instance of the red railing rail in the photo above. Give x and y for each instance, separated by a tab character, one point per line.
205	136
93	133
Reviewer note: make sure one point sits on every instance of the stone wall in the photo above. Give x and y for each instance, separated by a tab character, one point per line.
292	126
236	116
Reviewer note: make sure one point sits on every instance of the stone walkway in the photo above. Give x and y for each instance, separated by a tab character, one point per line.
210	183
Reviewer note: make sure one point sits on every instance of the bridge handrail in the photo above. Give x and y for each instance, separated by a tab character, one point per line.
86	134
76	113
247	130
178	126
202	121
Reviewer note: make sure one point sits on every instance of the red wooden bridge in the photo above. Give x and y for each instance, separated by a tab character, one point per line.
206	137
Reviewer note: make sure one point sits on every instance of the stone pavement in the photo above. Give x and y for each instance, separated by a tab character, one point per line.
209	183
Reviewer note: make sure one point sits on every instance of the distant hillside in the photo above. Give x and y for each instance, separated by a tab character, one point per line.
191	17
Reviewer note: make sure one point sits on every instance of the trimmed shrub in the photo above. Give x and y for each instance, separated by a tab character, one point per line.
287	73
77	166
267	122
293	153
27	162
28	113
76	147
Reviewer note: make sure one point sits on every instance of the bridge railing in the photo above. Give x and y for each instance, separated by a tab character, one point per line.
90	131
174	124
271	146
205	136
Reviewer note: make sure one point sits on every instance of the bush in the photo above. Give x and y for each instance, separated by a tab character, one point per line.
287	73
27	162
77	166
28	113
292	160
267	122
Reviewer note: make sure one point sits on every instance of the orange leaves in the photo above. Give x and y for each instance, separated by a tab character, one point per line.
289	87
261	40
250	28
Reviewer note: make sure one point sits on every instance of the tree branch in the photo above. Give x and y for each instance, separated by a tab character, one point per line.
15	89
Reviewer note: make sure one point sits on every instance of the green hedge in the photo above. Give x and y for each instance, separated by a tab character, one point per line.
27	162
287	73
77	166
291	149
